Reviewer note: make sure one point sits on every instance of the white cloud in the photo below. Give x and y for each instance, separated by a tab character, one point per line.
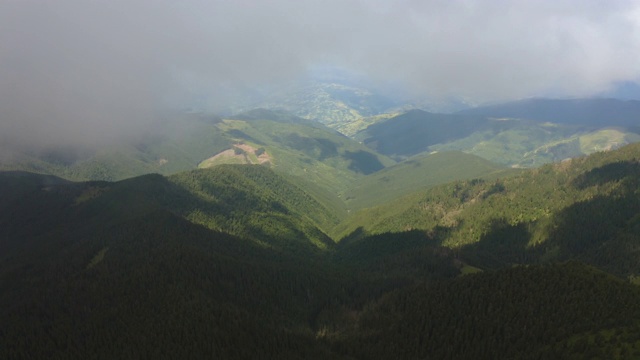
95	70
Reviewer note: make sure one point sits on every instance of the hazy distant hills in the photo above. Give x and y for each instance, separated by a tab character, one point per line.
520	134
344	101
587	112
284	142
268	233
346	108
176	143
414	131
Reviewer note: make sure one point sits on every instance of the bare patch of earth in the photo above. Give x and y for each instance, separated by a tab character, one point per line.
239	154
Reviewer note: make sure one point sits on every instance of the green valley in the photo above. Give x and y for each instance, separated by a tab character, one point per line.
271	234
339	180
289	144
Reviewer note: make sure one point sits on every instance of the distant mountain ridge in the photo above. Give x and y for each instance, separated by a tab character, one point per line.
293	145
525	133
345	108
332	218
597	112
414	131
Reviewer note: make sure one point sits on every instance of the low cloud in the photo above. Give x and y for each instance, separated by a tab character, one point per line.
89	72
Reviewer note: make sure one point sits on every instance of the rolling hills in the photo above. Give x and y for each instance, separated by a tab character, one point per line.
305	148
520	134
288	144
338	105
269	234
234	260
119	275
249	201
175	143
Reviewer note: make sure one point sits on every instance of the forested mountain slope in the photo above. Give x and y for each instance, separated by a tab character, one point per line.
305	149
251	201
157	286
587	208
233	261
552	312
123	269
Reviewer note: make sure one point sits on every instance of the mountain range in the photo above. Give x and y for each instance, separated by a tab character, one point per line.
502	232
520	134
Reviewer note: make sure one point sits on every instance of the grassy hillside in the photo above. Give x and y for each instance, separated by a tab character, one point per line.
254	202
288	144
419	172
530	144
307	150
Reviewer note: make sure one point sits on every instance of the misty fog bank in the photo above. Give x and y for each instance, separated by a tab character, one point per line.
93	72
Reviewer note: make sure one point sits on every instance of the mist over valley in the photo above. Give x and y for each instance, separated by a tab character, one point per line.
351	179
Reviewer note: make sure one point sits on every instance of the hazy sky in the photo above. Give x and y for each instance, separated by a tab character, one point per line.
83	70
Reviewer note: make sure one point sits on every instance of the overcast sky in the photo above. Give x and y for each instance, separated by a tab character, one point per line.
83	70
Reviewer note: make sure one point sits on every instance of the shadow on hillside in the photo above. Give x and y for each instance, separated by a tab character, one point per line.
602	231
359	246
242	135
317	148
363	162
608	173
504	244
